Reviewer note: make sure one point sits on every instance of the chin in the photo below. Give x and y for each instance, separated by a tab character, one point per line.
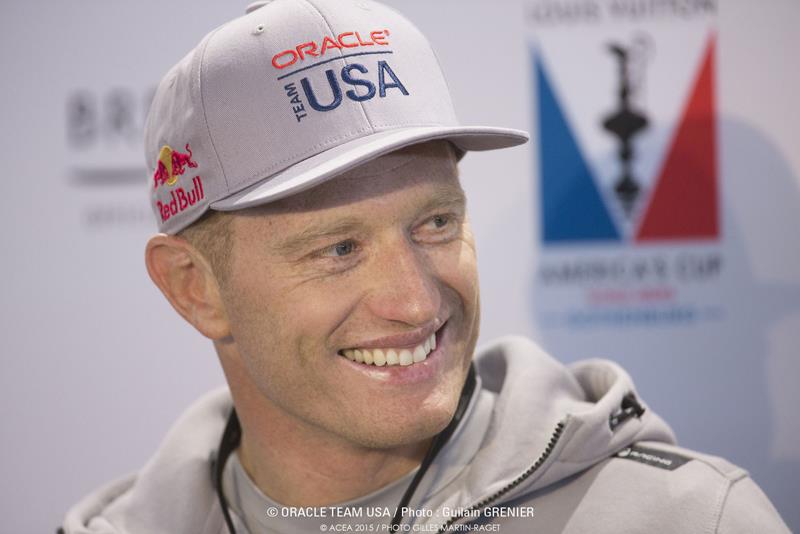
406	428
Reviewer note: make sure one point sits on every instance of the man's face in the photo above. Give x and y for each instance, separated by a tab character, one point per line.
378	261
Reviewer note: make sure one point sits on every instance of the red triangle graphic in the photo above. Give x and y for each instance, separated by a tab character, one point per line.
684	204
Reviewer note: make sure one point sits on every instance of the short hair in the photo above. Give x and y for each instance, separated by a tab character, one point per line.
212	235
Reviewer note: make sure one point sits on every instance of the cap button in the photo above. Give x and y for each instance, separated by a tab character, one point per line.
256	5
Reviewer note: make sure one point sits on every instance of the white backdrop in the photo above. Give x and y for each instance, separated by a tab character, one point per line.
95	365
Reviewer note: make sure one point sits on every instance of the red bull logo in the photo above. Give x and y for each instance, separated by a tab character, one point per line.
181	199
172	164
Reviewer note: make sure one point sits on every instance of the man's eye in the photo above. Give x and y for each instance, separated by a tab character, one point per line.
340	249
440	228
440	221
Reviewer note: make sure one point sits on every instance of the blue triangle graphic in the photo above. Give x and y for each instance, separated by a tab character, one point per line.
572	208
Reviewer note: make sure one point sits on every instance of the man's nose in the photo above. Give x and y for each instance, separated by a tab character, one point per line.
405	286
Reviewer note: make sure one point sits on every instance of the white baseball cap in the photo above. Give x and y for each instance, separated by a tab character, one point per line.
290	95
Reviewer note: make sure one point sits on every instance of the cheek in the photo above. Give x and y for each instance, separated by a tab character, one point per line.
273	315
457	267
255	318
254	307
281	343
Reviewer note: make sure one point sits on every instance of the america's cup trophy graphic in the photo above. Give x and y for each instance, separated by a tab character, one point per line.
625	123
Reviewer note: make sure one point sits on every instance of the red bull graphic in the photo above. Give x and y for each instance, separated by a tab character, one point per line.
172	164
180	199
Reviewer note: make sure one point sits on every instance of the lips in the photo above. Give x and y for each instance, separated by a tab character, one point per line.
380	357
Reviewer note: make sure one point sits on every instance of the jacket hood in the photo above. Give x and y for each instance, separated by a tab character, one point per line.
543	423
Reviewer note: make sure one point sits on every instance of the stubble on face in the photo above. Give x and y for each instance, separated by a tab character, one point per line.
359	258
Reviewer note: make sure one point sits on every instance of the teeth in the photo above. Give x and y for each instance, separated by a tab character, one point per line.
367	357
390	357
405	357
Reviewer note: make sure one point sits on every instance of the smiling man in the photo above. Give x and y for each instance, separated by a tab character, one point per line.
304	164
345	323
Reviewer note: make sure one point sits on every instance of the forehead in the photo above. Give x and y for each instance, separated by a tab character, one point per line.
432	164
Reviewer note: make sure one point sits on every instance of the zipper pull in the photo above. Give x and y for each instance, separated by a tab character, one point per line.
630	407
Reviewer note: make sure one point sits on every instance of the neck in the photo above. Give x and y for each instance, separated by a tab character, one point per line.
293	472
298	464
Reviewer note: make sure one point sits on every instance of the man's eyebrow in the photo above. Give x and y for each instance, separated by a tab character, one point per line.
445	197
315	232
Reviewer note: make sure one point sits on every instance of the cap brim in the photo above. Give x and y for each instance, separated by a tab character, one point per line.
335	161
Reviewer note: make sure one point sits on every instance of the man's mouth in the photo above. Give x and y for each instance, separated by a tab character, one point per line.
388	357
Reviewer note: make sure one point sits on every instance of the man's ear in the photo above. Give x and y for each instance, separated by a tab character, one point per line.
185	277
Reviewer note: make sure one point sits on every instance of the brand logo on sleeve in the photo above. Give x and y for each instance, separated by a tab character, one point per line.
661	459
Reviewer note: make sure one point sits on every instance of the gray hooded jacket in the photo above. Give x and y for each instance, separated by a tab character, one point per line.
561	449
